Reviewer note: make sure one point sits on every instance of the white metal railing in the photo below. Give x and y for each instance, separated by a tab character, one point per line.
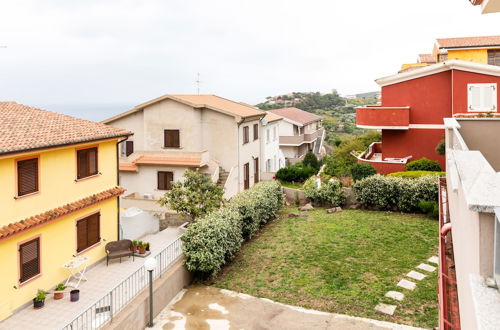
215	175
102	311
231	185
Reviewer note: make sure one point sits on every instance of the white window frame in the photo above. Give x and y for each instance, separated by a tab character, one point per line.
274	134
472	108
268	135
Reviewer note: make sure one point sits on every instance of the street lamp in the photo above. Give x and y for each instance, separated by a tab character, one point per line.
150	264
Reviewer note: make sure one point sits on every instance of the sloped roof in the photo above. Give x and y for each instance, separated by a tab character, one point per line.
296	115
270	117
25	128
198	101
25	224
426	58
486	41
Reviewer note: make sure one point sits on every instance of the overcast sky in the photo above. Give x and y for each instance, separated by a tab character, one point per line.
92	58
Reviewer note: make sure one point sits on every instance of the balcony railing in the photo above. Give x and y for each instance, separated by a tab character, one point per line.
376	117
300	139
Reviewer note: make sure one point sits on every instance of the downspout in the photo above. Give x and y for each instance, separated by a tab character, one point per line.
118	184
238	141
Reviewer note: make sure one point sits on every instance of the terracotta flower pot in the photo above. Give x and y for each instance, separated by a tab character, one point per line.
58	295
142	250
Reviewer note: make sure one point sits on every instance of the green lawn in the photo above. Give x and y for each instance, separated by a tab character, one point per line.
293	185
341	263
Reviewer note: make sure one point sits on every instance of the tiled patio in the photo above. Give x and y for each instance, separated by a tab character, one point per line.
101	279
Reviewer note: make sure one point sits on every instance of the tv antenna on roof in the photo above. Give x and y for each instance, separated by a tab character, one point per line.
198	82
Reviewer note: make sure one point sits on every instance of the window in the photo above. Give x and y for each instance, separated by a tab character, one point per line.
494	56
246	176
274	134
129	148
246	138
29	259
255	131
442	57
268	165
87	232
256	170
482	97
27	176
165	180
171	137
268	135
86	162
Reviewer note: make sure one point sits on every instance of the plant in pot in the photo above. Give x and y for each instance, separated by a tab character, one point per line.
142	248
147	246
59	295
133	247
39	300
139	244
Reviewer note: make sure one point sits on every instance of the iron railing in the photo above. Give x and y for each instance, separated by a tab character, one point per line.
102	311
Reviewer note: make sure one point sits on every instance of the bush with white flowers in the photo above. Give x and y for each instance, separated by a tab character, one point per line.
324	191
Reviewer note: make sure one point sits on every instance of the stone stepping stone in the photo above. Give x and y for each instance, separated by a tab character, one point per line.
407	284
386	309
434	260
395	295
426	267
416	275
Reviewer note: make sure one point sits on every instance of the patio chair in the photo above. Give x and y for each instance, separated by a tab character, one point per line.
119	249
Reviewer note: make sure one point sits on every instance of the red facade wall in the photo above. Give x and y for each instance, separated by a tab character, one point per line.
377	116
460	81
418	143
385	168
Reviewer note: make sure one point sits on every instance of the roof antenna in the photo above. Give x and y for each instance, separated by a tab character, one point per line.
198	82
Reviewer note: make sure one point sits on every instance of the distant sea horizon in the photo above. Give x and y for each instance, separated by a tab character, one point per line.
94	112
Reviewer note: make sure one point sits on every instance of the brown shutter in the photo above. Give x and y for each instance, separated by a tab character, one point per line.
172	139
129	147
245	134
165	180
81	235
246	176
82	164
27	176
256	170
29	255
93	229
494	57
255	131
169	177
92	159
161	180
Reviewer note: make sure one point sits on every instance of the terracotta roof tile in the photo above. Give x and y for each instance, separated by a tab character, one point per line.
42	218
270	117
487	41
297	115
24	128
426	58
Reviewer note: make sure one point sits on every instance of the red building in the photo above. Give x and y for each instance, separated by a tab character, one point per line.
414	104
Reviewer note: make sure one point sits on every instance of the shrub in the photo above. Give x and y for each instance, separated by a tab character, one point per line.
295	173
423	164
360	171
415	174
431	208
394	192
310	160
329	191
441	148
211	241
337	167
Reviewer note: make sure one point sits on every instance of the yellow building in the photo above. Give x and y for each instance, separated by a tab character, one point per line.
59	198
484	50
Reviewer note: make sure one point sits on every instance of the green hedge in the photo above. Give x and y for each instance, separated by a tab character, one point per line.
423	164
327	191
415	174
295	173
213	240
360	171
389	193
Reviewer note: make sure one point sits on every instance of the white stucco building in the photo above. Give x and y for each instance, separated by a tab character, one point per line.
173	133
272	158
299	132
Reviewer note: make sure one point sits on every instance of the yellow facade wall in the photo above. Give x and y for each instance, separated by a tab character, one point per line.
470	55
57	246
57	187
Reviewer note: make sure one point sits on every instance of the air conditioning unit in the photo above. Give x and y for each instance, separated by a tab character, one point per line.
148	196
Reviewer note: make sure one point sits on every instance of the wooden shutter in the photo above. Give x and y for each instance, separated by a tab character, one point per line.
81	235
27	176
255	131
494	57
88	232
246	176
172	139
129	148
93	234
92	159
256	170
86	162
245	134
29	259
165	180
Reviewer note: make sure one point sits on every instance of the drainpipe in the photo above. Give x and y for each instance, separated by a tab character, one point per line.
118	184
238	139
445	229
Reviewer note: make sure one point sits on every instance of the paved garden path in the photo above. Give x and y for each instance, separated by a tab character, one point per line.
203	307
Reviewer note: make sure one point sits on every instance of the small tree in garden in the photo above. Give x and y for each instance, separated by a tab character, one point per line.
423	164
195	196
360	171
310	160
441	147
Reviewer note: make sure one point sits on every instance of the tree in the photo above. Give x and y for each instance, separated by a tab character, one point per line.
310	160
195	196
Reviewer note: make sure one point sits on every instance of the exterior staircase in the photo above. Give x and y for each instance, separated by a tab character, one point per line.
222	177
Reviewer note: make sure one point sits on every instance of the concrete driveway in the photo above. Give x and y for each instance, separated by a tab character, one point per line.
203	307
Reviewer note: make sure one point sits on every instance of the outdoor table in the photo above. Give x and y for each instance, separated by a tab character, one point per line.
78	275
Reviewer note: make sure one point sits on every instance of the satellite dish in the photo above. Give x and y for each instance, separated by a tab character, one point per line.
264	122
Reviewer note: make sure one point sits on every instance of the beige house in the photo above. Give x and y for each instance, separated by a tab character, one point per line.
469	226
272	158
173	133
299	132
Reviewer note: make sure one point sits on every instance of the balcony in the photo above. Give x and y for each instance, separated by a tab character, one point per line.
298	140
373	156
376	117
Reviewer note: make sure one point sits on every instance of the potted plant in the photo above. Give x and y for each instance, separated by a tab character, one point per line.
142	248
74	295
147	246
134	246
59	295
39	300
139	244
